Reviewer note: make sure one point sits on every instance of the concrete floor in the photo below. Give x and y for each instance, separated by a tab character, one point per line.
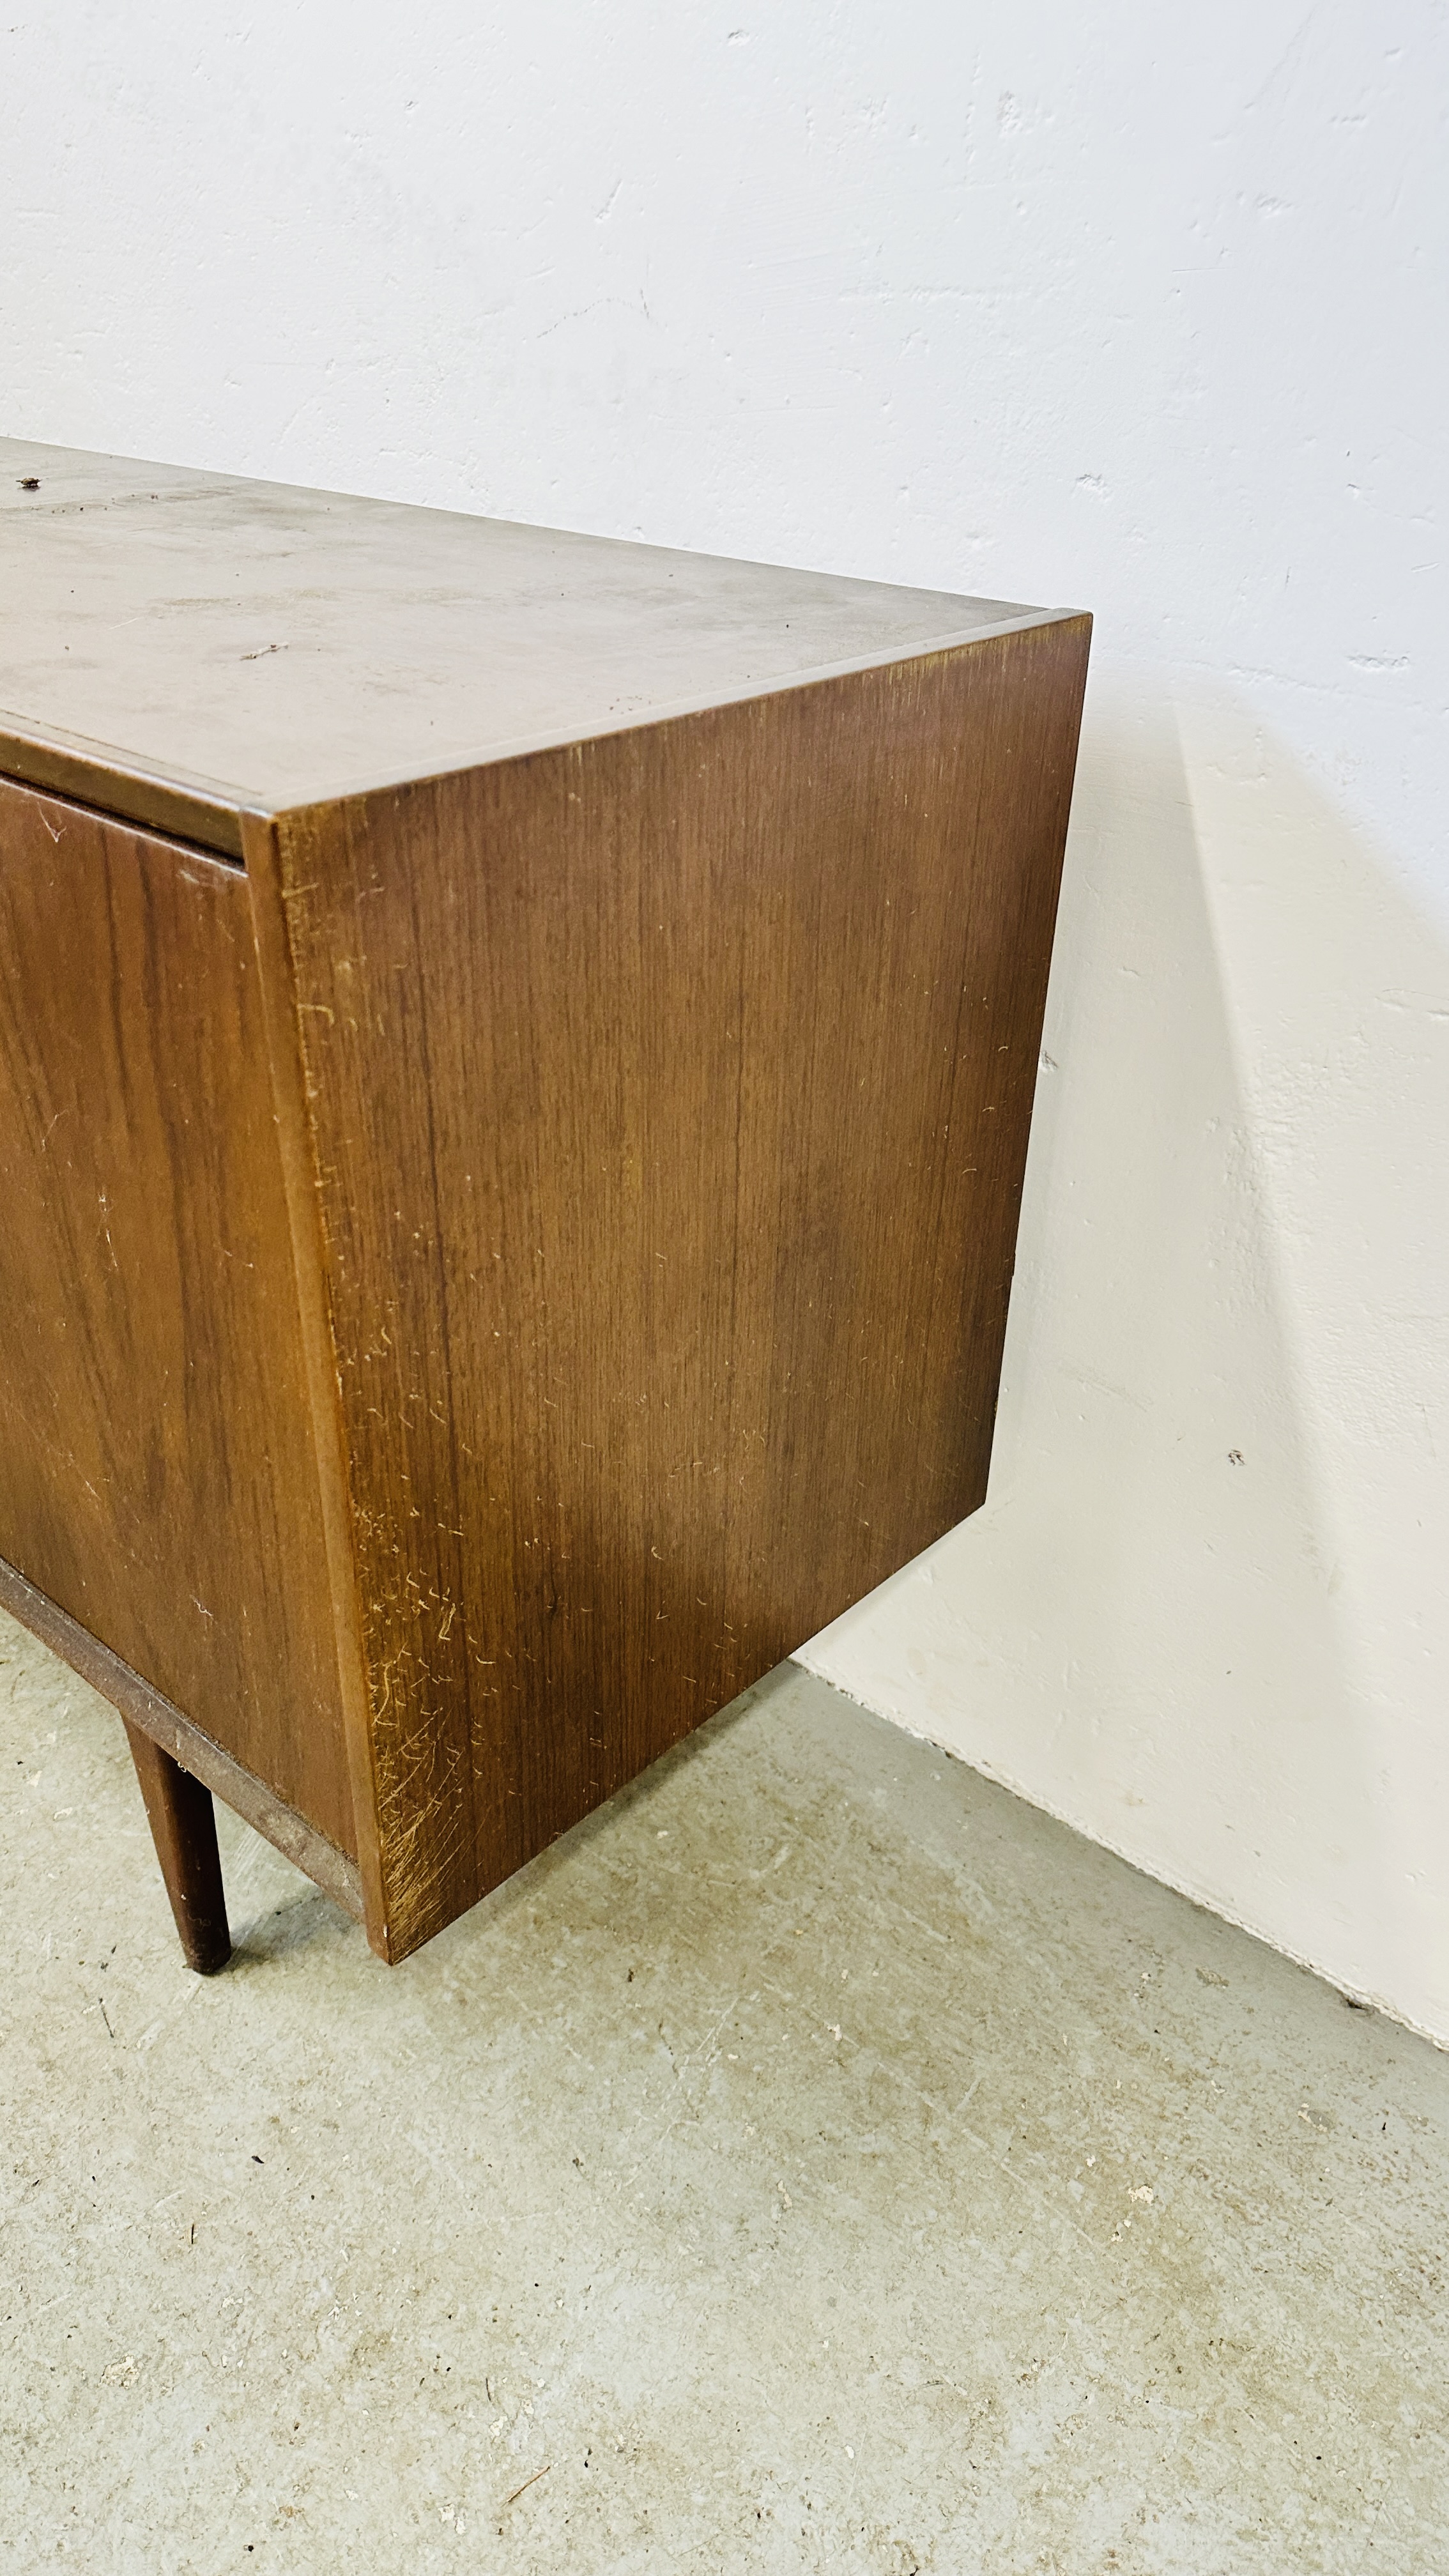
819	2160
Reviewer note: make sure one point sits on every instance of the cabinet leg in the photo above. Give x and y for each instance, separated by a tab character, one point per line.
183	1828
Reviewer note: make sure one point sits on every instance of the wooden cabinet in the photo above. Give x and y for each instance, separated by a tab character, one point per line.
517	1061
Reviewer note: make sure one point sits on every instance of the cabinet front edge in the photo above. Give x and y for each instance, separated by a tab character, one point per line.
209	1762
297	1141
111	782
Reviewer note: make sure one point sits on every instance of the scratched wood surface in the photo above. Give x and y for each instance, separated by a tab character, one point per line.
157	1479
667	1097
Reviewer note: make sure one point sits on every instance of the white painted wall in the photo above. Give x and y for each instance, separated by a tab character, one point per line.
1137	309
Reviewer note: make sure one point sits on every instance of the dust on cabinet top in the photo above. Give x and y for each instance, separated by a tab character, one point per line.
181	646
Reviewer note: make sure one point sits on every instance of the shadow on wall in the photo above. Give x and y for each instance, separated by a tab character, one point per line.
1191	1617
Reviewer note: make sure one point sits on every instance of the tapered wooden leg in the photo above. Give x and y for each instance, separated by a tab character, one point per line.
183	1828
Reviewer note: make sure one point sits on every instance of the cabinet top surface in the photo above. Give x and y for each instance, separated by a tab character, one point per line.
269	646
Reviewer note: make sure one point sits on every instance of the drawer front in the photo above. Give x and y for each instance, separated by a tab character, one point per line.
157	1475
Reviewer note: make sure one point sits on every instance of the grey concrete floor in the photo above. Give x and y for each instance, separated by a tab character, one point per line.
818	2160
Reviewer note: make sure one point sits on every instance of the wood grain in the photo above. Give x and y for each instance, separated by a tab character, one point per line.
142	1706
483	1284
157	1475
667	1100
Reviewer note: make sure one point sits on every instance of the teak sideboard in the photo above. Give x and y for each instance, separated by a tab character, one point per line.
517	1059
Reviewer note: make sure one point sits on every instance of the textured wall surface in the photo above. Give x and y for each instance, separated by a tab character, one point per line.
1142	313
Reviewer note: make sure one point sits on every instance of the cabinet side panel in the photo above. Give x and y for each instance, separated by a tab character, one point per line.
157	1478
671	1098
